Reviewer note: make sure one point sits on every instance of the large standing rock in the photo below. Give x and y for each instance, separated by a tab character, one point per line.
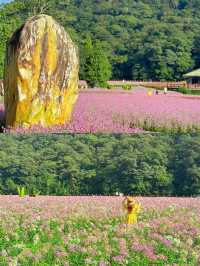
41	74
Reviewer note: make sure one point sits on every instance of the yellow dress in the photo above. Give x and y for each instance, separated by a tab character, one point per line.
133	213
133	208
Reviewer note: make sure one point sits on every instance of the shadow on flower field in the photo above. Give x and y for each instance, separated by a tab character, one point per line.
91	231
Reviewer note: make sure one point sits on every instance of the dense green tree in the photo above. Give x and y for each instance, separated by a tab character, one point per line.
96	69
164	55
196	51
86	54
186	166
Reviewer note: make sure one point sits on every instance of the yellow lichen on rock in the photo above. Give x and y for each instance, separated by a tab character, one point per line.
41	74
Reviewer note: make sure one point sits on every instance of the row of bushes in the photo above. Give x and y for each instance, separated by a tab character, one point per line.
188	91
126	87
183	90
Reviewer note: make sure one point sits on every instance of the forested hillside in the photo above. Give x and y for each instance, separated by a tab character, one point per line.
101	164
146	39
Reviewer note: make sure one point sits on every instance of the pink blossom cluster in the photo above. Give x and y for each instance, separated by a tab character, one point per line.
148	250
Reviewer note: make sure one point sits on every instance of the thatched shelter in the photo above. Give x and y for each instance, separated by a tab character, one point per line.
193	78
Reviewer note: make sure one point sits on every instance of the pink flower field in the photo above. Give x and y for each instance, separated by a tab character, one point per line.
129	112
69	231
97	207
117	111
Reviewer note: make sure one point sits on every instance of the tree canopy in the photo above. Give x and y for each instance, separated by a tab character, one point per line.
143	164
147	39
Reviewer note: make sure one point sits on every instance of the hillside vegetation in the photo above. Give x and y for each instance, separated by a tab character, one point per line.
101	164
147	39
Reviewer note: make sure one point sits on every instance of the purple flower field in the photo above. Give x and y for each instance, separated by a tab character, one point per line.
129	112
84	231
117	111
97	207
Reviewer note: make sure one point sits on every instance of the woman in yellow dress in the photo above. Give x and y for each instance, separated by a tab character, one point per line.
133	208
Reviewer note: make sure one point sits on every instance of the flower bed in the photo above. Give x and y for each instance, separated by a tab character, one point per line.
91	231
